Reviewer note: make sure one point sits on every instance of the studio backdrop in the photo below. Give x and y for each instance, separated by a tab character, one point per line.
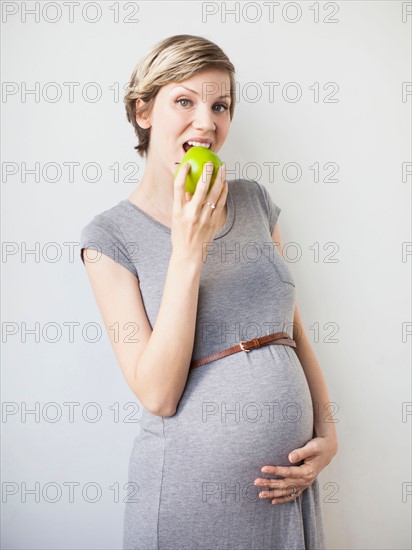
322	120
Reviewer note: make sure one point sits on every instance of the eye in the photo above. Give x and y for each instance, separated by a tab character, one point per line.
222	105
225	107
183	99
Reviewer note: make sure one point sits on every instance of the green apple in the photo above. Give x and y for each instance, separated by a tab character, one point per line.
197	157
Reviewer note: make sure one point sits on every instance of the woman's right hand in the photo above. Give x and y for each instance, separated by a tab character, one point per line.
195	223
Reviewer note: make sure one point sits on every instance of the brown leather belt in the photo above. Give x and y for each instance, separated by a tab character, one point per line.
247	345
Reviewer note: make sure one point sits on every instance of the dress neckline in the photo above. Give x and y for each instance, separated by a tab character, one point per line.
230	215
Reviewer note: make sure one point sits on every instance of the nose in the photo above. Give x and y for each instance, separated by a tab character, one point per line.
204	118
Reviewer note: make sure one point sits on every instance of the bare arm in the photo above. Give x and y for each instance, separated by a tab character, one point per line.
154	363
157	366
324	423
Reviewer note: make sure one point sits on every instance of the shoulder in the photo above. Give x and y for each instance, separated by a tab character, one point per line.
106	221
104	234
251	188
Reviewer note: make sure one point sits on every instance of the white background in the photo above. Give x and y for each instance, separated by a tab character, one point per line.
362	301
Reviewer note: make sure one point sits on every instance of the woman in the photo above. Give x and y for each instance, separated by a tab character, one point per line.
179	277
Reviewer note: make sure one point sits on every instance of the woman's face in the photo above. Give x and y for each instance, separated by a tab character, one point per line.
194	108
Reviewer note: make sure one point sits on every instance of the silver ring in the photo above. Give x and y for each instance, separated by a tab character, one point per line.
294	493
212	205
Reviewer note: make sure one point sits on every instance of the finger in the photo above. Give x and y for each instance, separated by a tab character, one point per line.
218	186
270	483
287	471
219	191
283	494
202	186
221	199
179	184
310	449
282	500
294	456
278	487
293	494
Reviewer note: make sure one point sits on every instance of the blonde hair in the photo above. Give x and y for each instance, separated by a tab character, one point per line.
173	59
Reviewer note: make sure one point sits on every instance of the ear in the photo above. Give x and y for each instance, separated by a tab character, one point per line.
142	120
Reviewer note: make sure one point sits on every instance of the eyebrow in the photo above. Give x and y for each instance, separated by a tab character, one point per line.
196	93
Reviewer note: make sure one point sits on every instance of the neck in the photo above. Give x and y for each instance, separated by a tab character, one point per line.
157	185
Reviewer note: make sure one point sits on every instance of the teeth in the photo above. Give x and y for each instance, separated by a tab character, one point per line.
197	144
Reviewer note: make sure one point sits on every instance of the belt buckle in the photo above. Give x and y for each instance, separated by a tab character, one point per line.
242	345
255	344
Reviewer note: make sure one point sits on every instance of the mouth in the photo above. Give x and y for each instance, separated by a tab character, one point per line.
189	144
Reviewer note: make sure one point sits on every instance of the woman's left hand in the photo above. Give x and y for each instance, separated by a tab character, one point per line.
316	454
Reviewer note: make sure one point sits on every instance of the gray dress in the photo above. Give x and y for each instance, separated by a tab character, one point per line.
193	472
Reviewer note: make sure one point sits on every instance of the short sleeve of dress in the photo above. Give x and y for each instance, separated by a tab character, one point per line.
272	209
104	237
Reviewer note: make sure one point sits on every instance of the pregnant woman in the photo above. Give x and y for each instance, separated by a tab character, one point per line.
230	445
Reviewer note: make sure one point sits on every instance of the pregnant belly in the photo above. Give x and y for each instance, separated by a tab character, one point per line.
240	413
194	471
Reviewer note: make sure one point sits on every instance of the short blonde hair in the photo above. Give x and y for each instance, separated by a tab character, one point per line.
173	59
